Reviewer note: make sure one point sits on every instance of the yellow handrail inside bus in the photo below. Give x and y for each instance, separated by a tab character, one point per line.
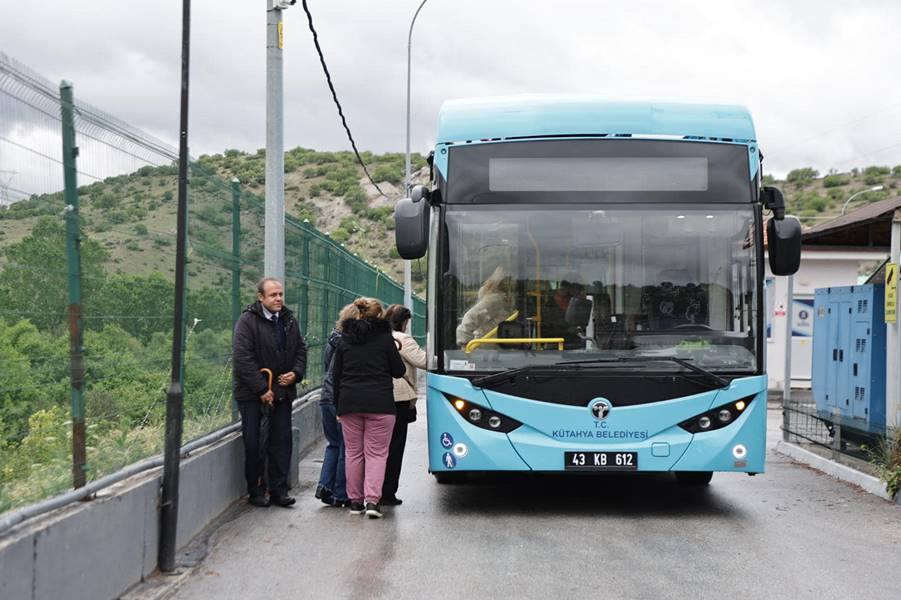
473	344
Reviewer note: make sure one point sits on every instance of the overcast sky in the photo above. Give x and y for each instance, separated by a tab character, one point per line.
820	77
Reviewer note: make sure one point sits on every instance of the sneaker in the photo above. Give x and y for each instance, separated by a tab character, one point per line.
392	501
357	508
261	501
373	511
326	496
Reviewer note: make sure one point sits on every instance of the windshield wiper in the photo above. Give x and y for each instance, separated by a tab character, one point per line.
509	374
710	375
502	376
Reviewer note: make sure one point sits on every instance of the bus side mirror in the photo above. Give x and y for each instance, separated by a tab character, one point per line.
784	245
411	224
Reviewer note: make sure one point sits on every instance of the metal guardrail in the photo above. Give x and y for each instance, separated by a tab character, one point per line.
41	508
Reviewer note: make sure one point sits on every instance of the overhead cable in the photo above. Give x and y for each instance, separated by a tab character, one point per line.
328	79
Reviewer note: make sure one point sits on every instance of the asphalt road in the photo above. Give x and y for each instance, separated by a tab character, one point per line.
790	533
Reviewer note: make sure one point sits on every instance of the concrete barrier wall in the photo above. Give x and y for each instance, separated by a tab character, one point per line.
99	549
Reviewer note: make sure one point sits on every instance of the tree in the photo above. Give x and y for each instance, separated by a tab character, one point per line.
34	280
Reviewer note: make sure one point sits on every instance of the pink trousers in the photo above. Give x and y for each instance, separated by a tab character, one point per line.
366	440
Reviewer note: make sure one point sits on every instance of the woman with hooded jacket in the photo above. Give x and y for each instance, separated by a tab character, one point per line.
366	362
414	357
332	487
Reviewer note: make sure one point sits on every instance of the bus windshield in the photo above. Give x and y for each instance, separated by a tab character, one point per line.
533	284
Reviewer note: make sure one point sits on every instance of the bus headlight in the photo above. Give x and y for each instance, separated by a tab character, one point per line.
482	417
716	418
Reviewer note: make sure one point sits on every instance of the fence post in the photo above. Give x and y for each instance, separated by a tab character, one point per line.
75	311
236	266
305	280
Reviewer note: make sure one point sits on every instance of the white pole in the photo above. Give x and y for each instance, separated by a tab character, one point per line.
274	234
789	310
893	344
408	275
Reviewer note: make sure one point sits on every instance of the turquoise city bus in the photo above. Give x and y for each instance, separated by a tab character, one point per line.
595	294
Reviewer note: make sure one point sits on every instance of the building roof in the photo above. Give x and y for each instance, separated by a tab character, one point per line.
557	115
869	225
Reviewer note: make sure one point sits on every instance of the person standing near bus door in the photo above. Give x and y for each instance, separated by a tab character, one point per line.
332	487
398	316
267	337
365	364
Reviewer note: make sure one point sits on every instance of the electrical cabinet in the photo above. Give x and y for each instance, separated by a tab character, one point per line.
848	375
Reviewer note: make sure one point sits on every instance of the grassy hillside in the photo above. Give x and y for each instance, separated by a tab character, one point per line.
132	217
816	198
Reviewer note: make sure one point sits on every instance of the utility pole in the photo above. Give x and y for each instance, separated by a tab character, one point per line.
274	249
408	274
76	316
893	341
175	395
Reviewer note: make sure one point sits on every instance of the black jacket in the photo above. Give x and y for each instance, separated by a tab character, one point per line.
255	346
365	364
327	395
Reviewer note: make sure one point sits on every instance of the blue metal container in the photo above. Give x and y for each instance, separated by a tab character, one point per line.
849	356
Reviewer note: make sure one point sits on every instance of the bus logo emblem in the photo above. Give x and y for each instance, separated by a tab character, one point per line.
600	410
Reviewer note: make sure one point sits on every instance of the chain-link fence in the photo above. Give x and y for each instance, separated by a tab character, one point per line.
126	211
804	425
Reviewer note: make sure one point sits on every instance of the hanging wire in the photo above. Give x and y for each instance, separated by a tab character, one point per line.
328	79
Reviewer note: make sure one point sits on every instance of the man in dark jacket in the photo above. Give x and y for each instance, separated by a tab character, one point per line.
267	337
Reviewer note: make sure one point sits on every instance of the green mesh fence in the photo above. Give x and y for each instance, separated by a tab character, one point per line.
127	199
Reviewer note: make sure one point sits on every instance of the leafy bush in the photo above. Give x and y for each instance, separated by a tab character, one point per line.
140	229
803	175
886	456
340	235
831	181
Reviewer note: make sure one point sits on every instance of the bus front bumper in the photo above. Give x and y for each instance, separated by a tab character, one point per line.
548	431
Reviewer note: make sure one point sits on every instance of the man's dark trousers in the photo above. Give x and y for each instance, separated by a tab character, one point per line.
279	446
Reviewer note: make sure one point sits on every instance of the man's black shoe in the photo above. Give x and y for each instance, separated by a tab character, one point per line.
392	501
262	501
373	511
284	501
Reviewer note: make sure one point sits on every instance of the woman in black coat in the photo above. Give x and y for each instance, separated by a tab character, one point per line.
365	364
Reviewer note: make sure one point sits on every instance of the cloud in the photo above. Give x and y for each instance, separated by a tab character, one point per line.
817	76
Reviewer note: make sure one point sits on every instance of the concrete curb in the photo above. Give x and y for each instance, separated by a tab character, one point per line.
842	472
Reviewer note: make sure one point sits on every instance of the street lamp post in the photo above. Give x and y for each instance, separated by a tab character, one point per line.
875	188
408	276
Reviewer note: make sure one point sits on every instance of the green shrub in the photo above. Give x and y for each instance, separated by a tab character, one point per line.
140	229
803	175
831	181
875	171
340	235
357	200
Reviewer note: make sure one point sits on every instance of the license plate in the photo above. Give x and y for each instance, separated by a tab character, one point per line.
600	461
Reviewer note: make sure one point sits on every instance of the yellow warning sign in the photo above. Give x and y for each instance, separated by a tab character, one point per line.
281	35
891	293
